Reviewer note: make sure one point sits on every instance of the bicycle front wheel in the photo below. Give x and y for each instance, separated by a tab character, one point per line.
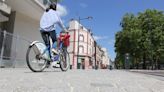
34	62
64	60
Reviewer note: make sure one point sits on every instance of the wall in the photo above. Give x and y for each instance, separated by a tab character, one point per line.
26	29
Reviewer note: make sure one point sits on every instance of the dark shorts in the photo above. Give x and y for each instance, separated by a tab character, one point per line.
47	34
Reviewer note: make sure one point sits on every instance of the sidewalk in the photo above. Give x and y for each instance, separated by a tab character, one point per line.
23	80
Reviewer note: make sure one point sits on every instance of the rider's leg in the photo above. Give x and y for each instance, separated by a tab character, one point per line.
54	47
45	36
54	40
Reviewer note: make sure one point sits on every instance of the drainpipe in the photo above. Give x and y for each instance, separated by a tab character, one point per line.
2	50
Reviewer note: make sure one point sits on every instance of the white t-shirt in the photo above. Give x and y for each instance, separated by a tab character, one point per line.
49	20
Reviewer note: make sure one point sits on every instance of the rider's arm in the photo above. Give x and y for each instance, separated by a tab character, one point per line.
60	23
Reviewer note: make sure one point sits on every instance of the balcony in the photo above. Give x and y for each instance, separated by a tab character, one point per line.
4	8
43	3
31	8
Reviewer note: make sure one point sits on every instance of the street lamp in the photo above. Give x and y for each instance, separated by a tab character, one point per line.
87	18
127	61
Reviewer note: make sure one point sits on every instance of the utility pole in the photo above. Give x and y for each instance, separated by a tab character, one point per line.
95	44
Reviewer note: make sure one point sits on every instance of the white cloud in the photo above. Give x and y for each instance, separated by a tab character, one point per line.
62	10
100	37
111	42
83	5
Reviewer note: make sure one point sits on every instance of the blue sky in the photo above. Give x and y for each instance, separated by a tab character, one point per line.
107	15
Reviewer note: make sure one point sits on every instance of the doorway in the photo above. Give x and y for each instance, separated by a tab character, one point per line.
83	63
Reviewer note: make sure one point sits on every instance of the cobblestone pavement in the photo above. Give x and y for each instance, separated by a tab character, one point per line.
23	80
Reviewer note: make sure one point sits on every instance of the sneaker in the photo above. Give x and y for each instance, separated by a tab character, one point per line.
54	51
53	64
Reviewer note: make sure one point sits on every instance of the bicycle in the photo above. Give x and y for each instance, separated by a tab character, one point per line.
38	56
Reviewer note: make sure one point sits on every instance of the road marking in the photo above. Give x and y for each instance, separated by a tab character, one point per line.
71	88
98	89
69	84
124	90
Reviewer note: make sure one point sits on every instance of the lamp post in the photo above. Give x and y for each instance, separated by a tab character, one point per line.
127	61
87	18
95	44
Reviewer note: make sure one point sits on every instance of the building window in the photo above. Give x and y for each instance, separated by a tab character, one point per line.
81	49
81	38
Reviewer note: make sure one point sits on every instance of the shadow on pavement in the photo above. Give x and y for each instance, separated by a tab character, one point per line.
44	71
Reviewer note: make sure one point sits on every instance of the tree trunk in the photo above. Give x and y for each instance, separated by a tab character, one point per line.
159	67
136	63
144	61
152	63
156	64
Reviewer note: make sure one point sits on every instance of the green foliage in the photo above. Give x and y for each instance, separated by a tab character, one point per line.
142	36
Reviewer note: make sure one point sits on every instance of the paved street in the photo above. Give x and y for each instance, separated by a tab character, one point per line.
158	74
150	72
23	80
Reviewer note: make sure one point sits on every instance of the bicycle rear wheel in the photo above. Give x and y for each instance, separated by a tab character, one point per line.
34	62
64	60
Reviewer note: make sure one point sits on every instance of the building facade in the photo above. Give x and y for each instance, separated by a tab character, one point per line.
81	47
19	22
105	59
98	57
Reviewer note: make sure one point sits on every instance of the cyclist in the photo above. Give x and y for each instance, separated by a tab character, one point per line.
48	22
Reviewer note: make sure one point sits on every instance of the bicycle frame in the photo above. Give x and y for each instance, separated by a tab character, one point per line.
44	51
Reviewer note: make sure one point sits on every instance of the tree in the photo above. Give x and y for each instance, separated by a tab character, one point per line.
142	36
150	21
